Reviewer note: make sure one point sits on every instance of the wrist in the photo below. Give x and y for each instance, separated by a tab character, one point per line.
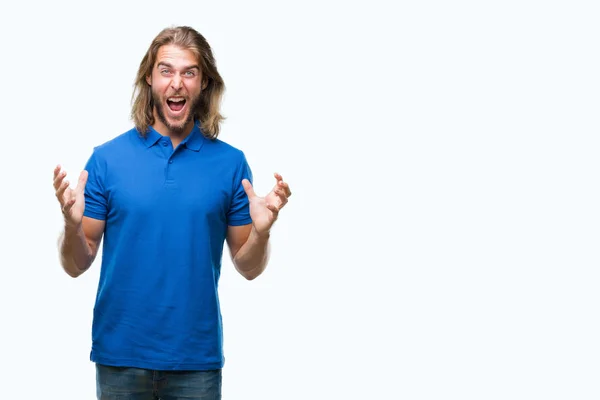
264	235
73	227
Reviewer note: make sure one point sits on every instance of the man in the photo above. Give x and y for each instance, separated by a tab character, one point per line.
165	197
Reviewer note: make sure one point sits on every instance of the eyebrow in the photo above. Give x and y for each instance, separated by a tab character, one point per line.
166	64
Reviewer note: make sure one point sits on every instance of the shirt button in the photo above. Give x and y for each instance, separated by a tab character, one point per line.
170	161
164	144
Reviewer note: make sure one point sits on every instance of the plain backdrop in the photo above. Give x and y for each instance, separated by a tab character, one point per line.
442	237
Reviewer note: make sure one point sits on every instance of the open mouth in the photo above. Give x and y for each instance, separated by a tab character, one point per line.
176	104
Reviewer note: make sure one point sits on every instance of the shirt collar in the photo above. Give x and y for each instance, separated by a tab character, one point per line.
193	141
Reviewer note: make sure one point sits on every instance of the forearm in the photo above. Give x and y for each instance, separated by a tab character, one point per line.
76	255
252	258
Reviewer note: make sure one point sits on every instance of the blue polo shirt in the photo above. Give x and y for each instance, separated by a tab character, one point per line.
166	212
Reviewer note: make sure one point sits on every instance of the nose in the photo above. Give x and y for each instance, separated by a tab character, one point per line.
176	83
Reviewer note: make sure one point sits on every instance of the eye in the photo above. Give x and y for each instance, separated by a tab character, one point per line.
190	73
165	71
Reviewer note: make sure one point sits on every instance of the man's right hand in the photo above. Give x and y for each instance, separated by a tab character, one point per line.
72	201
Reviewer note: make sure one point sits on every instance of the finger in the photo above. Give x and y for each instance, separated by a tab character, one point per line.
283	202
285	187
60	193
281	183
68	205
59	178
56	171
248	188
273	209
83	176
282	196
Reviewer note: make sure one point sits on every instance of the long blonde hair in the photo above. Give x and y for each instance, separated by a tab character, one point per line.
208	110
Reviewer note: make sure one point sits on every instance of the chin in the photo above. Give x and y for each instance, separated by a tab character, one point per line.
178	124
176	128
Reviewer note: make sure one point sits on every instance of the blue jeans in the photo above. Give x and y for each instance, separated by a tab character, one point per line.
122	383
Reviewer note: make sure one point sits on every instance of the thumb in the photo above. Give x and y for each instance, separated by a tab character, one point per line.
248	188
83	177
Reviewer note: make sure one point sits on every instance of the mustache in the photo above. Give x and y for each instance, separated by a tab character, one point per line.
175	94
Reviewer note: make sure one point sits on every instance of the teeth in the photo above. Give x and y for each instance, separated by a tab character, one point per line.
175	99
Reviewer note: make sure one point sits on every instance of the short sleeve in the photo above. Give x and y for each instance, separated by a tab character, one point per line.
239	209
96	205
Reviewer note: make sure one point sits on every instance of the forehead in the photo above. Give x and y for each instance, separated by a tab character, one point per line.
176	56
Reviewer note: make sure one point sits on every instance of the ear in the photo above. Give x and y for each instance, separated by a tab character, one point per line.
149	79
204	83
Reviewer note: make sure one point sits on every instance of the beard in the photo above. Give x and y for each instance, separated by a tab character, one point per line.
175	127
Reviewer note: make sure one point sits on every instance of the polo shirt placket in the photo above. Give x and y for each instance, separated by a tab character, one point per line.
169	154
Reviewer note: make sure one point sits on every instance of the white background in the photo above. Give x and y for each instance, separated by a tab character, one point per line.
442	237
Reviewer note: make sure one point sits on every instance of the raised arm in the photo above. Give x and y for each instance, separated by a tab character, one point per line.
78	243
249	244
